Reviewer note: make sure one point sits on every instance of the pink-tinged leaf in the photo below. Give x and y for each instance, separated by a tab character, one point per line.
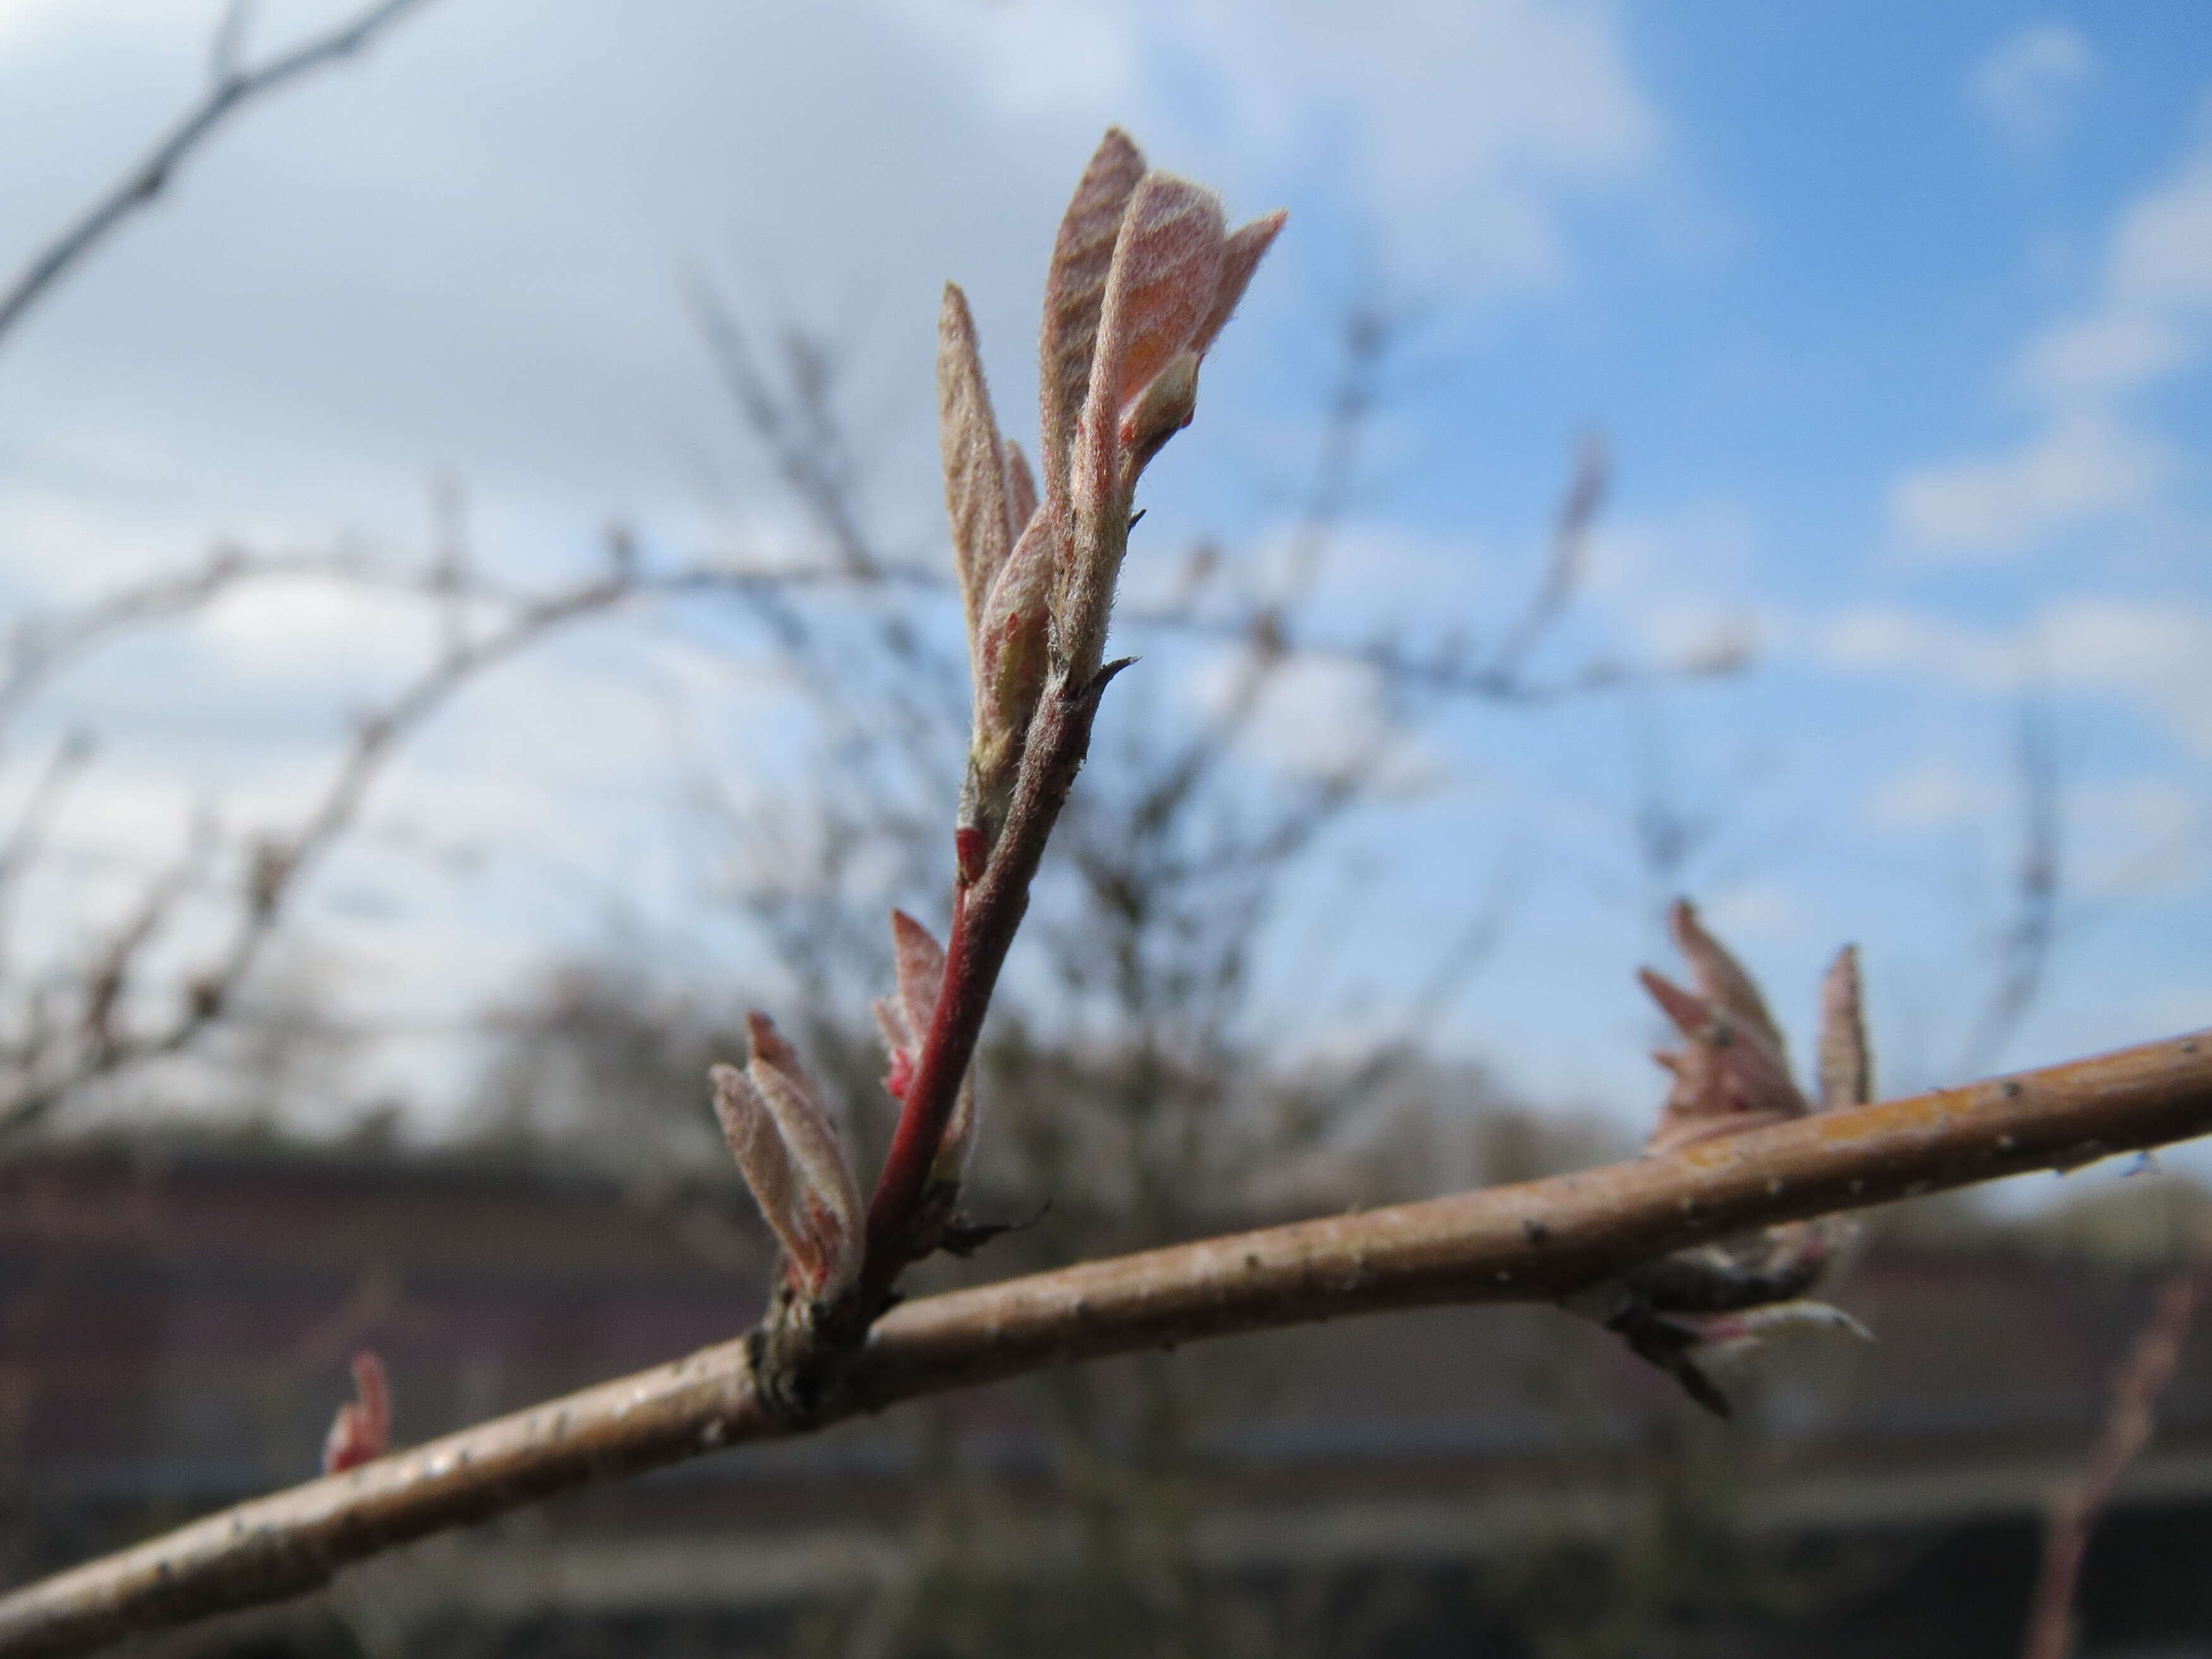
829	1195
899	1042
1162	286
1240	257
1720	977
1021	492
975	501
771	1048
1846	1062
906	1015
1690	1014
920	962
361	1431
1726	1079
1074	289
749	1129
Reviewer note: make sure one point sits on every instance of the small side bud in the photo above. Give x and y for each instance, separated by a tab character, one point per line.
788	1149
361	1431
905	1017
828	1196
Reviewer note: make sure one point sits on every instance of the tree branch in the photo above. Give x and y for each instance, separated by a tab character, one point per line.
2143	1375
230	88
1531	1242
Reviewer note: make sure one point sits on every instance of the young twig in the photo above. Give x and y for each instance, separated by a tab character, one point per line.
55	1058
1535	1242
2143	1375
2023	948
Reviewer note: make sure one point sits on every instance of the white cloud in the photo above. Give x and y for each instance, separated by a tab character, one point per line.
2135	837
1935	794
1458	126
1756	909
2028	86
2089	459
1317	718
2161	254
2085	467
2154	655
2087	358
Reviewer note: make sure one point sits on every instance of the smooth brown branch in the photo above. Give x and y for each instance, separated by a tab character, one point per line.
1535	1242
2143	1375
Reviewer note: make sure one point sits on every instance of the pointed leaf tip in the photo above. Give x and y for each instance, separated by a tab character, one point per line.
1721	979
1075	286
1846	1060
1240	258
975	477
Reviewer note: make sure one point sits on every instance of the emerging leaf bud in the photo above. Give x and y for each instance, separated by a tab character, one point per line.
1732	1074
905	1019
361	1431
788	1148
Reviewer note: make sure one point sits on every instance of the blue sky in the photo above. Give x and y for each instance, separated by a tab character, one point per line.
1896	326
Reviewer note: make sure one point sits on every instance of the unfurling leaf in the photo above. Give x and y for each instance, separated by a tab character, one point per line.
976	469
1176	276
1240	257
1846	1063
361	1431
788	1148
1074	289
1726	1078
1160	291
1720	977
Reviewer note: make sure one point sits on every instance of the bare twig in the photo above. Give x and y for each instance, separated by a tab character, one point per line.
1531	1242
230	87
56	1058
1563	565
2143	1375
2023	948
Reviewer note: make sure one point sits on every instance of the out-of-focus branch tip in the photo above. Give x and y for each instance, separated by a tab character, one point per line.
361	1431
